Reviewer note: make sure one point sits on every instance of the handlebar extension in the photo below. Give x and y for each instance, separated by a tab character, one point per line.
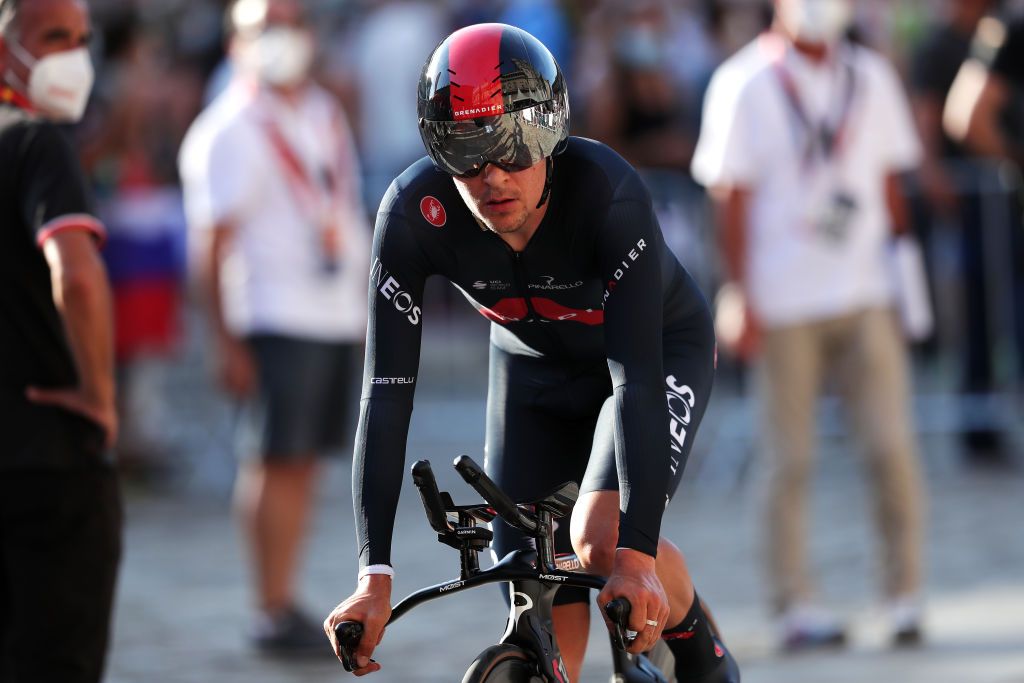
502	504
423	478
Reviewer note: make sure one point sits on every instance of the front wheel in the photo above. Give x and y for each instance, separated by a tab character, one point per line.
503	664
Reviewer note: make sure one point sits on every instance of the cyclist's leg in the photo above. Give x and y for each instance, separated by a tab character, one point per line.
689	371
596	516
688	375
540	425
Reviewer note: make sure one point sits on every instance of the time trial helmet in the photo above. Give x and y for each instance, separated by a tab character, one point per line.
491	94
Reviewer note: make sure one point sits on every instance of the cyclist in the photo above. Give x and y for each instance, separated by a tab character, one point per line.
601	351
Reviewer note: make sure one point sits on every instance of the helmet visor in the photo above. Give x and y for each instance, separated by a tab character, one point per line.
514	141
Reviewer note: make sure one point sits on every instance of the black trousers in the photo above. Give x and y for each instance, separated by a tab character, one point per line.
60	545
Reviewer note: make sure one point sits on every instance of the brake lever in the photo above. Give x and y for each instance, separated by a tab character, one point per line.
618	611
348	634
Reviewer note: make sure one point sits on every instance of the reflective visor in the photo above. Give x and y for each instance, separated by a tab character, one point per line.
514	141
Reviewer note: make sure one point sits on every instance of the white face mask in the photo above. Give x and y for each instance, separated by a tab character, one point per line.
59	84
281	56
816	21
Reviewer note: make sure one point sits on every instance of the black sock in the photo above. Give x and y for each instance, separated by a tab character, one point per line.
695	649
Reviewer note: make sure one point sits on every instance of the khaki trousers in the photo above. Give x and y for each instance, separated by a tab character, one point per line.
864	352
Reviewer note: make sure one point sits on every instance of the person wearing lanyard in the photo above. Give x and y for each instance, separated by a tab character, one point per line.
804	136
271	186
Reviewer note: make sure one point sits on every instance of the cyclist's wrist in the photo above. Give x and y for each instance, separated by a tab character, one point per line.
376	572
631	558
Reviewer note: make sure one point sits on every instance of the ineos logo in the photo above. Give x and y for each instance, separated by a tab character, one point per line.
391	290
681	400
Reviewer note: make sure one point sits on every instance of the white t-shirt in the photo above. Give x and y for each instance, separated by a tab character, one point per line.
274	278
817	231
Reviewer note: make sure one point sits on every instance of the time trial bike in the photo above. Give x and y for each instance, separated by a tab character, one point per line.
528	651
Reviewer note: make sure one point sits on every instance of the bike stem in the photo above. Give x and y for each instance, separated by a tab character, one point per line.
545	542
469	553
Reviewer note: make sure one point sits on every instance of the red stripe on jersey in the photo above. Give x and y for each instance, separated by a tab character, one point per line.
552	310
474	58
506	310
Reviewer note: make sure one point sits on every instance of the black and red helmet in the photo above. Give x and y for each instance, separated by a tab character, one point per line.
491	93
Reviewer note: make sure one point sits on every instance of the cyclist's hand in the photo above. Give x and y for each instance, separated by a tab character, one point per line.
370	605
633	577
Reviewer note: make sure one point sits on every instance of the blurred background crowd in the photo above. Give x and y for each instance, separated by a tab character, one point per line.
637	73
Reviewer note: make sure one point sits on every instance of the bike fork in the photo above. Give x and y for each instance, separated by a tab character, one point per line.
530	626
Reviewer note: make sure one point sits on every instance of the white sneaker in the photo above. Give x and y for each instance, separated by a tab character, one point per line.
806	626
905	616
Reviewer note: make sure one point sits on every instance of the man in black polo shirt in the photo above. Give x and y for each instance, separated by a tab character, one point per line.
60	514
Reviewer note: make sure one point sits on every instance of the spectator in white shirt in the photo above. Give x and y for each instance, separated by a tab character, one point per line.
272	196
804	135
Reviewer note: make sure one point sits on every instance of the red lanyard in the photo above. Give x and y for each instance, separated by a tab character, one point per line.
325	183
11	96
318	197
821	138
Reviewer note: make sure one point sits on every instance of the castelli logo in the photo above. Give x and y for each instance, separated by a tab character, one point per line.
433	211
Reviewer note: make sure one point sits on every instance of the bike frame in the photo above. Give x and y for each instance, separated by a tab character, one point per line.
531	592
534	577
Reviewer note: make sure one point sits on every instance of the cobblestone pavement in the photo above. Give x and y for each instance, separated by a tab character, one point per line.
182	604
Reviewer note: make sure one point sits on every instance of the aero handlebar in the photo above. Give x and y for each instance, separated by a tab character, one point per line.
502	504
425	482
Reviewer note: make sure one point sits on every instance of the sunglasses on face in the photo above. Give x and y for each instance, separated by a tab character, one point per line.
513	141
504	166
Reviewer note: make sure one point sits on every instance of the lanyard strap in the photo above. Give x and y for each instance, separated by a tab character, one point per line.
828	139
325	182
318	197
9	95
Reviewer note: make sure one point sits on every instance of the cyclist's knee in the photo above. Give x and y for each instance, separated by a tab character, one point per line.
597	555
595	531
